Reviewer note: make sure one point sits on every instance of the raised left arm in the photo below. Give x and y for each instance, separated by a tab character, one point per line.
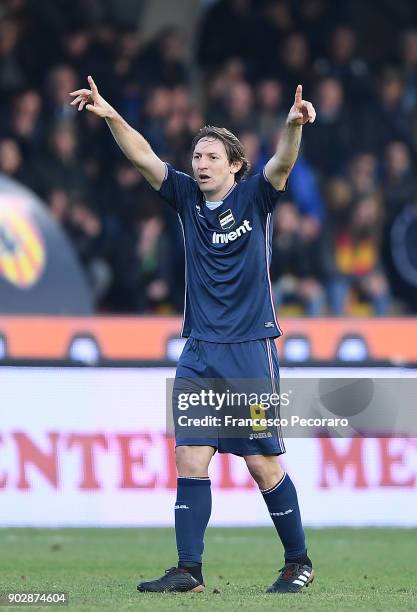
280	165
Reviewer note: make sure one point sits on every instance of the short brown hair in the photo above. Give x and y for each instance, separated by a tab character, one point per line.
234	148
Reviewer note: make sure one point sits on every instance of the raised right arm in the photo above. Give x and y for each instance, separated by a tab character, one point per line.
137	150
133	144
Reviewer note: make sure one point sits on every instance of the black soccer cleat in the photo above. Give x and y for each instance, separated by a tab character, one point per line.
293	577
175	580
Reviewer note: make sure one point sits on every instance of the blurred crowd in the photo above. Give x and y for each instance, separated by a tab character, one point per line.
345	239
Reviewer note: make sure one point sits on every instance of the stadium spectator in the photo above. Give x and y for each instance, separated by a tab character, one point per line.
77	51
94	149
60	80
218	41
27	126
156	260
60	168
403	255
275	23
218	86
278	19
328	146
156	112
11	161
387	118
295	65
356	264
295	266
408	58
85	230
306	190
163	62
270	109
338	198
253	150
125	87
363	174
343	63
238	108
316	18
399	181
59	205
13	74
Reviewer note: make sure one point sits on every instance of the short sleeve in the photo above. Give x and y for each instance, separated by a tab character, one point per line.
264	193
177	187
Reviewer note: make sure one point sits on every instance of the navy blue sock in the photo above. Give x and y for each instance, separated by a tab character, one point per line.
283	507
192	513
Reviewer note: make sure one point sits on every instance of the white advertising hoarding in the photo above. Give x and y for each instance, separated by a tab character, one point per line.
83	446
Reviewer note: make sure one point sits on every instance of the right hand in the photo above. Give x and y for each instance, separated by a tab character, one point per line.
302	111
91	100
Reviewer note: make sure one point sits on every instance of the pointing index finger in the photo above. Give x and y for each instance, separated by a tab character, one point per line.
298	95
93	86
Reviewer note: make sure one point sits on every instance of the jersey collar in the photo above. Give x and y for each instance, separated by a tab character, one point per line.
225	196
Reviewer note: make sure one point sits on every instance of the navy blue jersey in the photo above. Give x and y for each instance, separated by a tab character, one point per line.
227	252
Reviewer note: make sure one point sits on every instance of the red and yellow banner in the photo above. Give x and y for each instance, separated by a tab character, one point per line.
22	251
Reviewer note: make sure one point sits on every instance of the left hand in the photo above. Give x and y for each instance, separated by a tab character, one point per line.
301	111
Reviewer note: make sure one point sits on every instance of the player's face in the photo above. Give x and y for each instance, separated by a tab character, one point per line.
211	167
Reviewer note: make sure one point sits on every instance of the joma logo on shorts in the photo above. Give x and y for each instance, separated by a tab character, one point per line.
258	436
232	236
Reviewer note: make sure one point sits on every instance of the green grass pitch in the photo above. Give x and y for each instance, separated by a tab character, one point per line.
356	569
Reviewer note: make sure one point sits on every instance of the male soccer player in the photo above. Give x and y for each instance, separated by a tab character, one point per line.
229	318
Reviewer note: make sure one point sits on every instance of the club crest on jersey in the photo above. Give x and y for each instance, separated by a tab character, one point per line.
227	219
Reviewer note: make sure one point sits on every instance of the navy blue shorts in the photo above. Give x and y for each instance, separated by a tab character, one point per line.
256	359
